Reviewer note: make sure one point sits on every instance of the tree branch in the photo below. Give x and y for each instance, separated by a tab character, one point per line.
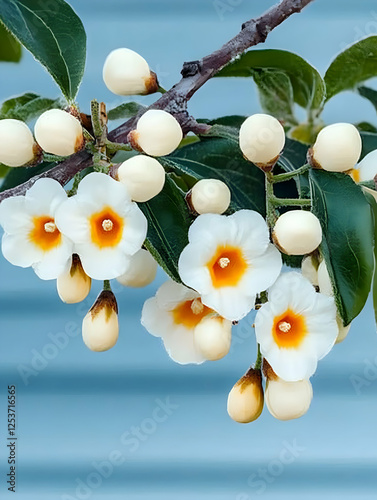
194	75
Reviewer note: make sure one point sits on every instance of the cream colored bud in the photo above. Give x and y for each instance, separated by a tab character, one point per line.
367	168
213	336
288	400
262	139
210	196
343	330
100	327
337	147
143	176
126	72
74	285
17	146
59	133
141	272
324	281
245	400
309	269
157	133
297	232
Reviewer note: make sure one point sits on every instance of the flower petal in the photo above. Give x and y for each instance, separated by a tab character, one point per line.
19	251
97	189
14	217
55	262
44	197
102	264
179	344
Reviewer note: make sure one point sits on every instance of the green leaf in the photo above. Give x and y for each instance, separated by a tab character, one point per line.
292	158
19	175
222	159
348	238
369	143
366	127
27	106
373	206
10	49
369	94
55	36
276	94
168	224
355	65
4	169
125	110
307	85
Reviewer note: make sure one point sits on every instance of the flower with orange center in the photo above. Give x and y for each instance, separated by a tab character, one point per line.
31	237
229	259
296	327
106	227
173	314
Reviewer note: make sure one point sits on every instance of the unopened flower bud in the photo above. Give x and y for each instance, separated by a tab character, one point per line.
213	336
210	196
126	72
343	330
141	271
74	285
59	133
143	176
157	133
100	327
288	400
262	139
297	232
324	281
337	147
245	400
309	269
17	145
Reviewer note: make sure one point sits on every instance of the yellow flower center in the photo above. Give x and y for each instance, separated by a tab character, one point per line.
355	174
190	313
45	234
289	329
106	228
227	266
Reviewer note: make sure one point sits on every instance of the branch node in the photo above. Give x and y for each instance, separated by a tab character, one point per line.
191	68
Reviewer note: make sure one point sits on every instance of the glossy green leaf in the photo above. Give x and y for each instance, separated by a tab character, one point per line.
3	170
292	158
27	106
168	224
369	143
222	159
348	238
307	85
366	127
54	34
125	110
369	94
276	94
10	49
352	67
373	206
19	175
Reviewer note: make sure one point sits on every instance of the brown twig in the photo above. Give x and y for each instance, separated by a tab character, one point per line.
194	75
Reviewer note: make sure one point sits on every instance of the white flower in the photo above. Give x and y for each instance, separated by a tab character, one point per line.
74	285
245	400
31	235
106	227
210	196
173	314
100	327
366	169
143	176
296	327
297	232
229	259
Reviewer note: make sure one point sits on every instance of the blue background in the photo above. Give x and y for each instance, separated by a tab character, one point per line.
79	409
